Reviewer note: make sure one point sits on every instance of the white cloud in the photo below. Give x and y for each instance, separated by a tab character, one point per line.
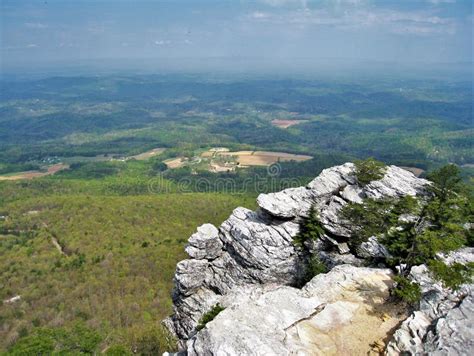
36	25
259	15
392	21
162	42
436	2
277	3
32	45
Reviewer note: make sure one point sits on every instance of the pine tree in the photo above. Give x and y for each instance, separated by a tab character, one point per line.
310	228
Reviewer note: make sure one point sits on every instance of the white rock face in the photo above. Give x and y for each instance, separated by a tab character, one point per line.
340	182
280	320
205	243
256	248
454	333
444	323
372	249
249	250
397	182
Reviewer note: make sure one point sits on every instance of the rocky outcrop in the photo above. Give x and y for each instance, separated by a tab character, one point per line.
444	323
255	248
250	265
251	249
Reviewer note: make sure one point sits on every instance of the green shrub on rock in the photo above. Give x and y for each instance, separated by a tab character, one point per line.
369	170
452	276
407	291
310	228
209	316
314	267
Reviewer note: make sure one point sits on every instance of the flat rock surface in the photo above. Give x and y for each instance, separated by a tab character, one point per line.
319	319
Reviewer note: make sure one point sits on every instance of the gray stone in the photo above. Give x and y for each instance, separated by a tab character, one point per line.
396	182
205	243
454	333
332	259
353	194
333	189
372	249
463	255
288	203
294	202
333	180
253	250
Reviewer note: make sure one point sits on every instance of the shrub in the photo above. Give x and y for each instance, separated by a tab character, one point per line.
452	276
77	261
209	316
310	228
446	181
406	290
314	267
159	166
369	170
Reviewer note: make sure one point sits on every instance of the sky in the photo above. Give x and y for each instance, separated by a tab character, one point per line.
58	32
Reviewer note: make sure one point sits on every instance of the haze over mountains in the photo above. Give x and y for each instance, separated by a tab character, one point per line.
234	36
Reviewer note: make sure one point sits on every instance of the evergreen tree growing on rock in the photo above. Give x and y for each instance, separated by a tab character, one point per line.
310	228
369	170
437	225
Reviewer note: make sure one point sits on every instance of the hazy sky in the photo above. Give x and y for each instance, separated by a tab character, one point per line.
36	32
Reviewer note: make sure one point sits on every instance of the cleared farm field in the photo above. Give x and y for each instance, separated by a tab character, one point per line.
148	154
35	174
263	158
173	163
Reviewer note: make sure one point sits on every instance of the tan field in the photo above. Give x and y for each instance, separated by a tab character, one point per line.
263	158
174	162
284	124
218	168
34	174
207	154
213	151
148	154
